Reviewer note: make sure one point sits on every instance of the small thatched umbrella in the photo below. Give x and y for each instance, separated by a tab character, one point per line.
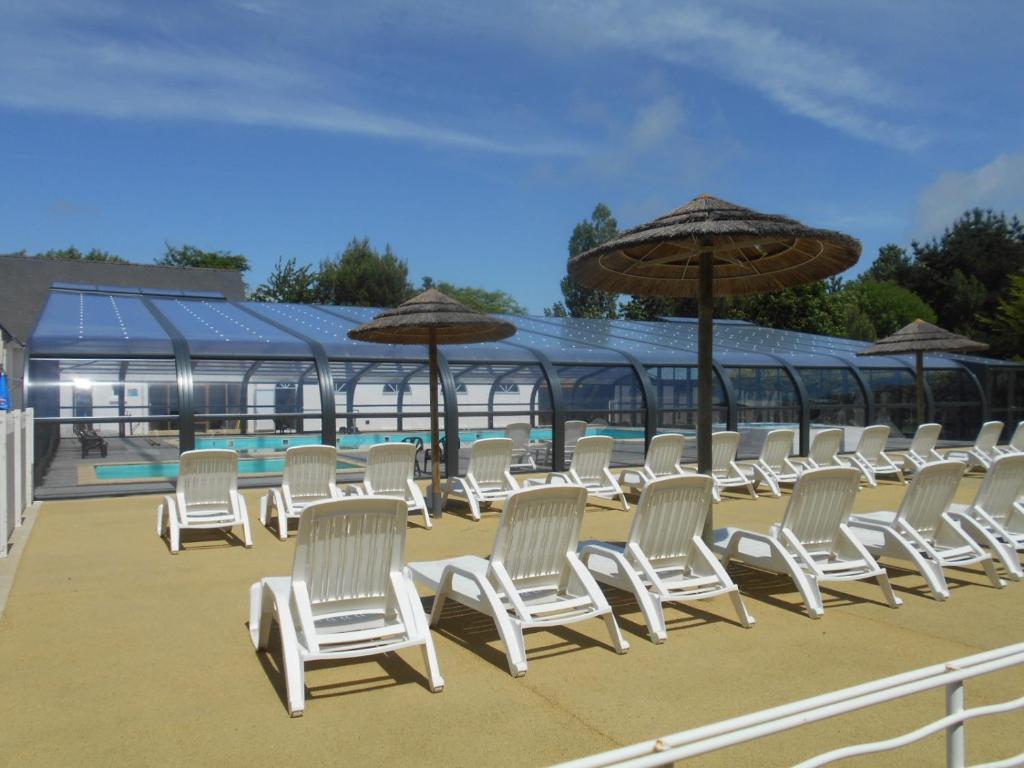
432	318
712	248
920	337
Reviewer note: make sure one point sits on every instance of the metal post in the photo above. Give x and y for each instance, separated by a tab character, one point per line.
919	386
955	732
434	501
705	319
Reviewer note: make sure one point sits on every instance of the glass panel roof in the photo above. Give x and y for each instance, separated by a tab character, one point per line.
79	324
220	329
80	320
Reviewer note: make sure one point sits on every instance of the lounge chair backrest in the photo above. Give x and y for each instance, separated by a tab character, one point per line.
389	467
538	528
574	430
821	500
664	454
723	450
929	495
988	436
310	471
776	448
347	549
592	457
1017	439
490	459
925	438
206	479
872	442
670	513
1003	485
825	446
519	434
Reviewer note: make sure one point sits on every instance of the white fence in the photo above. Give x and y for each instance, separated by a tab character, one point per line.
16	464
951	676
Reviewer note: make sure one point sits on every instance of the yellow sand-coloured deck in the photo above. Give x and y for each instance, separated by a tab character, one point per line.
113	652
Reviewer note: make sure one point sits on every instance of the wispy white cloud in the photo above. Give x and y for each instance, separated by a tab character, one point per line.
80	66
998	185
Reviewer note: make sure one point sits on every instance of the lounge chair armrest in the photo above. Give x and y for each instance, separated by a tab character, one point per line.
336	492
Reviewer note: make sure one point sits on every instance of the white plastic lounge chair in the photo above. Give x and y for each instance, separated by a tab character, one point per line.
389	472
995	518
205	496
487	478
664	559
984	450
1016	444
574	430
813	544
870	456
310	475
349	594
522	456
662	460
824	451
773	466
589	468
922	447
724	469
533	578
920	532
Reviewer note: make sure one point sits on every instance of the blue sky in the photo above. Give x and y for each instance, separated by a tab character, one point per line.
473	136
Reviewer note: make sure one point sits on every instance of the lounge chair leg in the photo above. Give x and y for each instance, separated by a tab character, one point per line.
745	618
295	678
654	615
808	587
430	659
933	574
621	646
160	521
993	576
282	525
175	535
263	510
515	645
890	596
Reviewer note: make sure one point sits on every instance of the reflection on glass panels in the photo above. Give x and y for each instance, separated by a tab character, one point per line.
249	396
895	399
675	388
836	399
382	398
765	397
957	402
141	396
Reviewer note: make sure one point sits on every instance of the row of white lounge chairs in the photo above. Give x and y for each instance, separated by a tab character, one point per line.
207	495
352	594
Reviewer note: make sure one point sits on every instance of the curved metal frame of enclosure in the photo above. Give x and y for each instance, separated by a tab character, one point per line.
321	362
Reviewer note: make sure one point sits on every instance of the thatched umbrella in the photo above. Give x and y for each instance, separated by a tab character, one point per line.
712	248
432	318
920	337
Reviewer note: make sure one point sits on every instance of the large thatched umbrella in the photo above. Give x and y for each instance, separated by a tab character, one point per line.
432	318
712	248
920	337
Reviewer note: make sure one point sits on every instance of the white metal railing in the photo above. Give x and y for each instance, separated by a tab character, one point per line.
16	466
727	733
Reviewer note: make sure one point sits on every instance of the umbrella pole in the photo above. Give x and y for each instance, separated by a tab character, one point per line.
705	324
435	443
919	386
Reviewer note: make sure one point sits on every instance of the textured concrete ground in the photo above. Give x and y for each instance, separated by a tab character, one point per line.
113	652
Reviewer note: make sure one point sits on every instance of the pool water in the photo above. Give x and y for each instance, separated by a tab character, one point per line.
169	469
272	443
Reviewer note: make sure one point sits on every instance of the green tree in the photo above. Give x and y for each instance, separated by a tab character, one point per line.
288	283
492	302
892	266
363	277
963	275
73	254
577	300
647	308
1007	324
876	309
191	256
811	308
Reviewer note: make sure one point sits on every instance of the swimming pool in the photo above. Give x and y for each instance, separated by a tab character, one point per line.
277	443
164	470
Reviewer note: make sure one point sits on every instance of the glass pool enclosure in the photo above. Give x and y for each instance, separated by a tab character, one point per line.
158	372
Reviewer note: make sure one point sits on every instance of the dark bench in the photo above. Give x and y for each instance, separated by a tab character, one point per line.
90	440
